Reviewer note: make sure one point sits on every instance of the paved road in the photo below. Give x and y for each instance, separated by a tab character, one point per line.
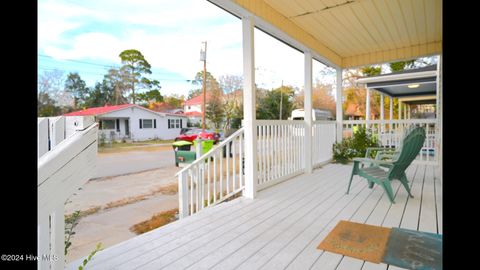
113	164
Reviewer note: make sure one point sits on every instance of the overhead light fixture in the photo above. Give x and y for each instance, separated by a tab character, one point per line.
413	85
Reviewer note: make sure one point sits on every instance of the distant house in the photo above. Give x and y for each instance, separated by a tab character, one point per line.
130	121
193	108
195	104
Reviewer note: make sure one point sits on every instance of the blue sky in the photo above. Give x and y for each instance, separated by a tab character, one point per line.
87	36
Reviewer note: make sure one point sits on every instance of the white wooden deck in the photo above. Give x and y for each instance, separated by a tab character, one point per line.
283	226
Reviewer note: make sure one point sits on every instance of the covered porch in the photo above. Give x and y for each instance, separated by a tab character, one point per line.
290	195
282	227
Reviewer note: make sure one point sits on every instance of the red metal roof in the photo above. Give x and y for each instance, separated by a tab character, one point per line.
99	110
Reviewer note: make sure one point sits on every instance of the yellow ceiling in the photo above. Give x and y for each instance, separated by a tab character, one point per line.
353	33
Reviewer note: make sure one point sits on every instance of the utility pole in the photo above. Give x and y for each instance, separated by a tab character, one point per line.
281	101
203	57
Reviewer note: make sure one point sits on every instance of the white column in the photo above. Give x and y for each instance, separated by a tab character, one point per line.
390	126
367	113
339	108
409	108
439	116
382	113
249	109
308	112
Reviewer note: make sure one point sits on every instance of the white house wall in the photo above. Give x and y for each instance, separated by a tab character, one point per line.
161	131
193	108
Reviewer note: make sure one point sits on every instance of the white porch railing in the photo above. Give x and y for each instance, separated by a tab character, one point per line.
323	138
67	149
280	155
214	177
389	133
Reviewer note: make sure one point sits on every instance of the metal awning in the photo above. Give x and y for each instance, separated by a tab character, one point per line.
407	83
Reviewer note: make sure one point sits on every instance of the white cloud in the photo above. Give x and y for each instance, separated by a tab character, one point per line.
182	26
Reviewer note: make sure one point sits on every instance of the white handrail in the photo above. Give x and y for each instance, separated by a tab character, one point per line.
207	181
211	151
61	171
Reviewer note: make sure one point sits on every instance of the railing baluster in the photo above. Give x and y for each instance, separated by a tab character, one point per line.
221	175
208	182
228	167
234	165
215	178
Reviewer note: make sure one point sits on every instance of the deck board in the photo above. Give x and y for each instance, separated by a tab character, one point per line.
282	227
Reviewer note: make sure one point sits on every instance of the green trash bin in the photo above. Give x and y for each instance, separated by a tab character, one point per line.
182	145
206	145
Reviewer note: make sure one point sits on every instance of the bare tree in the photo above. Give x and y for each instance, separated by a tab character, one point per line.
52	83
230	83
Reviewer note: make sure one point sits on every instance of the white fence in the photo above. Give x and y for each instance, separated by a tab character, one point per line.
218	174
67	149
214	177
280	150
390	133
323	138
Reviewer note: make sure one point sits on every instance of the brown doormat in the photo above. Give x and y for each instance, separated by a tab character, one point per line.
361	241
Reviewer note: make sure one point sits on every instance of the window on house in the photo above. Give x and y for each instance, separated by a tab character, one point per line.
108	124
147	123
171	123
177	123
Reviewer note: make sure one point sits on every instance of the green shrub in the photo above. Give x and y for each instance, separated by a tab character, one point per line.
353	147
362	140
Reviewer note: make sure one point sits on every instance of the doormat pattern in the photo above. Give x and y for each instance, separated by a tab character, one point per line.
400	247
361	241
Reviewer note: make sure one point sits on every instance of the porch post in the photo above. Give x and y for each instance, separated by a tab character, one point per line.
308	111
405	111
339	108
382	113
390	126
408	111
249	111
439	116
367	113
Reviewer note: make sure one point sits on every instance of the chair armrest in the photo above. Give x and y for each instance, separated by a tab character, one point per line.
379	149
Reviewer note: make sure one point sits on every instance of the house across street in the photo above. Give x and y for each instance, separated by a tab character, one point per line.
134	122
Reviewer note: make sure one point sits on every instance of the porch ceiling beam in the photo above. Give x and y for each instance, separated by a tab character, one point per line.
274	23
285	29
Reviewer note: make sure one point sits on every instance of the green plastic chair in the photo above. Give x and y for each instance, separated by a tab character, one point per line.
382	172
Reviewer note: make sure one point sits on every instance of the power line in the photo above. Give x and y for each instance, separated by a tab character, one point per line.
89	63
77	61
101	74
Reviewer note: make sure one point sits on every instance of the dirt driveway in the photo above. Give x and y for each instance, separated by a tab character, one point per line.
116	203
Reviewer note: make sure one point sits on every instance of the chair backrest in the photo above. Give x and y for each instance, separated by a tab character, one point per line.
412	144
406	133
